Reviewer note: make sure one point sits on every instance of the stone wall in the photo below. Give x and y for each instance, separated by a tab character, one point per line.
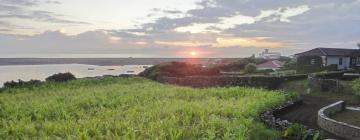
337	128
269	116
269	82
324	85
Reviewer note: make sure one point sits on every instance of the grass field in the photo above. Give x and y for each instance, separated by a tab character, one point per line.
133	108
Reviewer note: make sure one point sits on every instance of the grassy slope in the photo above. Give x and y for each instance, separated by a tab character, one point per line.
133	108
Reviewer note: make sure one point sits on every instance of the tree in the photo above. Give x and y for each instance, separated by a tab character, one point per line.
358	45
250	68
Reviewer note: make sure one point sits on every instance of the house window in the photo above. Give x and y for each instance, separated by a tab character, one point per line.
353	61
340	61
312	61
358	61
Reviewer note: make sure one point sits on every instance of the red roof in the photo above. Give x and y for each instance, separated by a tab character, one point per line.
273	64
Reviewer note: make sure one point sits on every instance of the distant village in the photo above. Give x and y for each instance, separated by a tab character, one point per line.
314	60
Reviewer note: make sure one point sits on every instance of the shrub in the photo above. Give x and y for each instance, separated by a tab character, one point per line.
299	132
289	65
61	77
332	67
178	69
250	68
265	71
356	86
329	75
239	64
295	132
309	64
21	83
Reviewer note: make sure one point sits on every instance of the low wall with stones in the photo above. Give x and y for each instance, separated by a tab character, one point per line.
340	129
269	116
320	84
221	81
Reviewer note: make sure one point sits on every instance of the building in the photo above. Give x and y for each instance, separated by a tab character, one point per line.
272	65
343	58
269	55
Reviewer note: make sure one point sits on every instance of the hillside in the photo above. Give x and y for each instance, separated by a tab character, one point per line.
133	108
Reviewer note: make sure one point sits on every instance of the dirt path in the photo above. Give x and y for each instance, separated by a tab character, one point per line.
306	113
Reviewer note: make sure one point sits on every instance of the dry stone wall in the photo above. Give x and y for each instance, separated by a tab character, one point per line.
340	129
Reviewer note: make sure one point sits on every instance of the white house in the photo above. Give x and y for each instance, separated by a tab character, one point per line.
269	55
343	58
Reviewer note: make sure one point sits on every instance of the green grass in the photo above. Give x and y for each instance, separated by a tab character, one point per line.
348	116
133	108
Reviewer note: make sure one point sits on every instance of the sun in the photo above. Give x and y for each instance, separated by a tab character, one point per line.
193	53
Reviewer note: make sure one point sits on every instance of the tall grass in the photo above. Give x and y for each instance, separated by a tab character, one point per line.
133	108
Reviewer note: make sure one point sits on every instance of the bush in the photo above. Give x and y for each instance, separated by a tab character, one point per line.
21	83
265	71
309	64
299	132
329	75
250	68
332	67
61	77
356	86
178	69
239	64
289	65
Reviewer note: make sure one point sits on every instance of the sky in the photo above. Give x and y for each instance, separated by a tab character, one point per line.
174	28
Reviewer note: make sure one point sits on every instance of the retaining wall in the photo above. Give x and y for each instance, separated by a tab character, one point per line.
270	82
340	129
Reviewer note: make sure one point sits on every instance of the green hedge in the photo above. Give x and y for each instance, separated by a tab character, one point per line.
329	75
305	64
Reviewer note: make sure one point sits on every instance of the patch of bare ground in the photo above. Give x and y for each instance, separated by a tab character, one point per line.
306	113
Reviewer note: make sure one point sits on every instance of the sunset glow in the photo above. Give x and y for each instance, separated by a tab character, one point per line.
193	53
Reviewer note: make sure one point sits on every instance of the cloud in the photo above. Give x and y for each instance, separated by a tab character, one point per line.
20	2
21	10
222	27
28	2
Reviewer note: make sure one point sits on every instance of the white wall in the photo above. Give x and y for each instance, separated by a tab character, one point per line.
335	60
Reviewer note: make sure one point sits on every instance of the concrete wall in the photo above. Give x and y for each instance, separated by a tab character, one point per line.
337	128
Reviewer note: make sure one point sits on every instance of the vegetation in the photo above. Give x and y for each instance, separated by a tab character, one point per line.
133	108
356	86
289	65
177	69
309	64
21	83
61	77
250	68
240	64
299	132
